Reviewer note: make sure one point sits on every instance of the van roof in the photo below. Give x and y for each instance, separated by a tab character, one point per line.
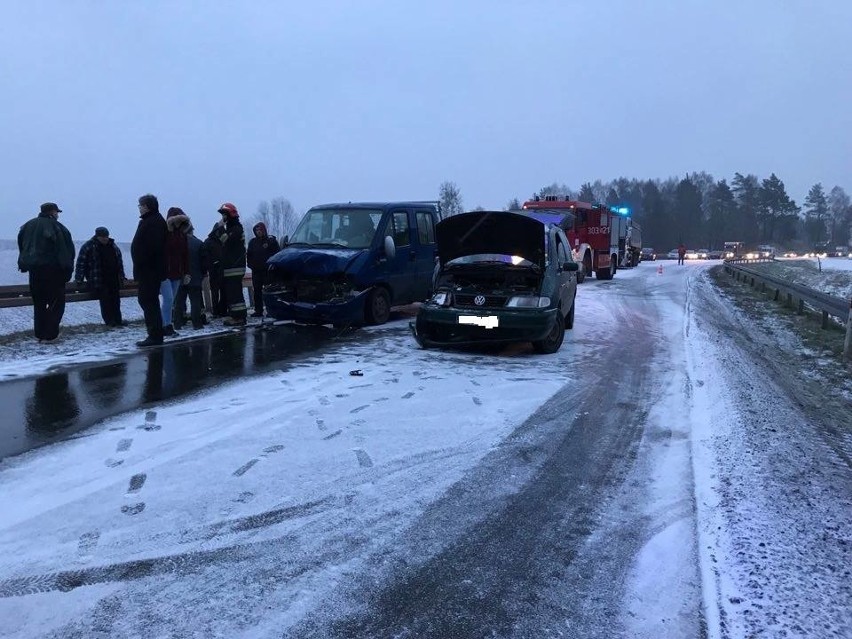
380	205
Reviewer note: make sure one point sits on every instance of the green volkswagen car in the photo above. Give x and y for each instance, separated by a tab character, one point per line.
500	277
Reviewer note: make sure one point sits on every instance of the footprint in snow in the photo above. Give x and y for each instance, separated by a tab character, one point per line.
321	424
408	395
364	460
136	483
112	463
274	448
242	470
333	435
359	408
135	509
324	401
87	542
123	445
477	401
244	497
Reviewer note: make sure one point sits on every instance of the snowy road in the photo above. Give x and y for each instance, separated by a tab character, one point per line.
626	486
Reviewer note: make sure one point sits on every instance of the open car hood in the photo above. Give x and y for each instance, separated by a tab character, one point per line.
490	232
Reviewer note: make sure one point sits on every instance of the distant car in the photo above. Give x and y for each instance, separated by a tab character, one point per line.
715	255
691	255
703	254
673	254
648	254
502	277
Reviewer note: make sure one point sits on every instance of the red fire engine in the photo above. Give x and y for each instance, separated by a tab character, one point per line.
602	238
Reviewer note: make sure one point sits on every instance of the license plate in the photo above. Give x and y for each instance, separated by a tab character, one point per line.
487	321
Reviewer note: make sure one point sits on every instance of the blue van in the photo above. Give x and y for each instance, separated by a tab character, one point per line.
350	263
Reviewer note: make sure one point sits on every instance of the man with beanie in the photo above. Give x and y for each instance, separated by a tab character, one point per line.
177	265
100	263
149	265
261	247
233	241
46	252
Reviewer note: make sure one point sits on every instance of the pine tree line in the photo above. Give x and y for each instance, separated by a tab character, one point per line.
702	212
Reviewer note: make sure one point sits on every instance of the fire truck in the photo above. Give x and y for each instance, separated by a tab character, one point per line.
602	238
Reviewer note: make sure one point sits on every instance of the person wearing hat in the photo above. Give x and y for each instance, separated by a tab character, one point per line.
101	265
232	238
177	265
149	265
46	253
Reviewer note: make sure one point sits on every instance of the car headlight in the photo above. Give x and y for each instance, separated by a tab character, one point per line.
528	301
441	299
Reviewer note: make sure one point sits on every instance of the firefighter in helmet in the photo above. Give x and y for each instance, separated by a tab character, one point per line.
233	240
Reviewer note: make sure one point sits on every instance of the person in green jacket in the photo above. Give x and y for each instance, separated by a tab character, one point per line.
46	253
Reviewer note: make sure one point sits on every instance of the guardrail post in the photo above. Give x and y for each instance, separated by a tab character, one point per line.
847	345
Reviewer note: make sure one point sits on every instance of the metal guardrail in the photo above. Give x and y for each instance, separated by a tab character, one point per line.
797	295
19	294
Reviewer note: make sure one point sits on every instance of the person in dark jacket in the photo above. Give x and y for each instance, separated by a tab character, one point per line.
101	265
681	254
177	265
46	253
261	247
214	256
198	268
232	238
149	265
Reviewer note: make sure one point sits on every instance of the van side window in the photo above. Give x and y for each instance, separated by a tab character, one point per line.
398	229
425	228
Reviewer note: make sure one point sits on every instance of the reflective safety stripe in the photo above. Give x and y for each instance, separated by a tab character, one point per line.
235	272
223	238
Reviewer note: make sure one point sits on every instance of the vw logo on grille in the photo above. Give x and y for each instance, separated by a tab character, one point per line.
479	300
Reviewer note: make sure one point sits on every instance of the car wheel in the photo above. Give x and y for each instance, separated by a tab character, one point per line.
569	319
581	275
553	342
377	310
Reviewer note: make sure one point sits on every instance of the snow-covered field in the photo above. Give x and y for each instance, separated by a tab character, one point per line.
652	479
834	279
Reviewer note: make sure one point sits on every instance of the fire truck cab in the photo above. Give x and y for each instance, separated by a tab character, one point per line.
594	231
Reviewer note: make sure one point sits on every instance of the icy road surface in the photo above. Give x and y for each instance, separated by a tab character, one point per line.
658	477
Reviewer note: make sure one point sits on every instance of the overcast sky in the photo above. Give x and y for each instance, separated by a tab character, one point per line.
205	102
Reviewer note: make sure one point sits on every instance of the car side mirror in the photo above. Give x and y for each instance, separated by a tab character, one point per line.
390	247
571	266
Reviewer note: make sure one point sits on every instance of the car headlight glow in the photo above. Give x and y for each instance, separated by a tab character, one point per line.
441	299
528	301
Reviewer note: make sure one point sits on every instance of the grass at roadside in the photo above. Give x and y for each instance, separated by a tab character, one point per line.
817	351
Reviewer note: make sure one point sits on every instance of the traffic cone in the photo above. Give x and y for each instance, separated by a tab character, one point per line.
660	269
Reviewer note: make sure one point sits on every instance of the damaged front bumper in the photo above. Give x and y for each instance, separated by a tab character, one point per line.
348	311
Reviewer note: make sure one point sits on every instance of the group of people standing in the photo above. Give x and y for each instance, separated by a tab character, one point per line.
169	267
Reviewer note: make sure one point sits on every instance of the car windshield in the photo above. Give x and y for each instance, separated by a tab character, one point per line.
349	228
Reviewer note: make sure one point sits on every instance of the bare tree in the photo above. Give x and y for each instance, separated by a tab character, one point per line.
451	199
513	205
278	215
